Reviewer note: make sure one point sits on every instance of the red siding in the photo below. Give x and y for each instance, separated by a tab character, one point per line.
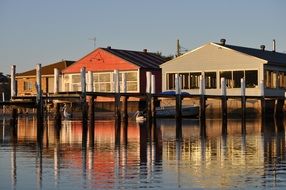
100	60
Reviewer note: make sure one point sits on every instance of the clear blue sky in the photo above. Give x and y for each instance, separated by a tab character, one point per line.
33	31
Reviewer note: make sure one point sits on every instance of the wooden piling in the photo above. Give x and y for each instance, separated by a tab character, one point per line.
202	98
3	106
39	98
148	97
178	98
279	104
153	99
91	119
262	100
243	99
155	102
149	107
58	117
14	118
223	99
83	97
56	81
125	109
116	83
90	81
148	82
13	81
124	100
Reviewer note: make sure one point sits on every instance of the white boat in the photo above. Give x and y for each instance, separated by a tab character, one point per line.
170	111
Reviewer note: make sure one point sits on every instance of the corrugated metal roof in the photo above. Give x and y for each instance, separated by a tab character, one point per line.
270	56
142	59
48	69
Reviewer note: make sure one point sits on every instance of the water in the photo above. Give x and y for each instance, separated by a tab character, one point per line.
210	155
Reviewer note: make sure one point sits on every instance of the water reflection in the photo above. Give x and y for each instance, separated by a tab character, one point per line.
162	154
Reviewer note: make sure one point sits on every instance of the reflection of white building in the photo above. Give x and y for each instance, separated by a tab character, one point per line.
220	60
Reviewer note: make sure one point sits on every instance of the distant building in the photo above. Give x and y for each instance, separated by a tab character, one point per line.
220	60
103	61
26	81
4	87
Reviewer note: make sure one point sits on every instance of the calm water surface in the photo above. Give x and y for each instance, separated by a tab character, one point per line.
210	155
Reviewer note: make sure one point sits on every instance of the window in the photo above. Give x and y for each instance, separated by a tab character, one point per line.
195	80
210	79
237	76
185	80
102	82
132	81
228	78
251	79
274	79
66	83
76	85
281	80
28	86
131	78
170	81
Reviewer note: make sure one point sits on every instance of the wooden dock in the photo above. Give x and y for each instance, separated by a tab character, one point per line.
87	99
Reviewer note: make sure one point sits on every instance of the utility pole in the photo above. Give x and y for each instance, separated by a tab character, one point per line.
94	41
178	48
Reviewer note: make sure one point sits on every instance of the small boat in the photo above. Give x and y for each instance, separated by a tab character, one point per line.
170	111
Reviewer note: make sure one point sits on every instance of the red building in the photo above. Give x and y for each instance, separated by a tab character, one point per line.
103	61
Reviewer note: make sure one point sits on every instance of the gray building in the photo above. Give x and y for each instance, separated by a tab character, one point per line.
259	67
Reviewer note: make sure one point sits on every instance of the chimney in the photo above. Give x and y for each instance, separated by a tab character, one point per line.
262	47
274	45
222	41
145	50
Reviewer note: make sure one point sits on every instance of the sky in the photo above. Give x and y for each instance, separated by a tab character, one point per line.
37	31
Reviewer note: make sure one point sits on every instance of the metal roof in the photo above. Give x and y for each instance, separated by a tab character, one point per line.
270	56
142	59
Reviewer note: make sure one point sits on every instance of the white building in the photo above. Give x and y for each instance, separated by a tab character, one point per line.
259	67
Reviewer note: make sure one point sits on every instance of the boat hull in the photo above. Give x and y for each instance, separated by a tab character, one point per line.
170	111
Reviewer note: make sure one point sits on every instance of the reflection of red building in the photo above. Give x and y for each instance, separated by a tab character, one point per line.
103	159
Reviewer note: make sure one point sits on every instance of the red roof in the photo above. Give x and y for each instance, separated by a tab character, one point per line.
107	59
